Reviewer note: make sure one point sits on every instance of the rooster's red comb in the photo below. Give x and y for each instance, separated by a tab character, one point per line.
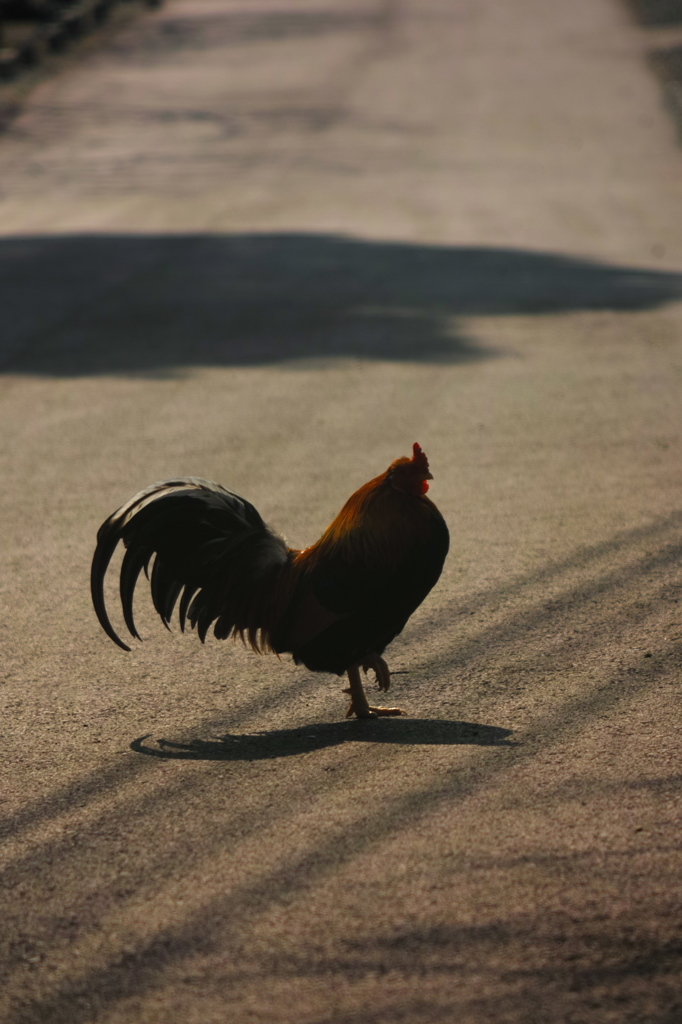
418	457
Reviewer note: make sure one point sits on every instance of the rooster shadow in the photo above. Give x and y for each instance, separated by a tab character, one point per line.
263	746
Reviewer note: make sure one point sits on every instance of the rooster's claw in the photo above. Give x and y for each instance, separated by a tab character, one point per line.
372	712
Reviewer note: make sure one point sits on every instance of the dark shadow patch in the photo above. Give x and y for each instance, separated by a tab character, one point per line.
290	742
667	66
655	13
153	305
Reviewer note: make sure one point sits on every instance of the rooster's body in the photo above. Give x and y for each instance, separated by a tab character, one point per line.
334	606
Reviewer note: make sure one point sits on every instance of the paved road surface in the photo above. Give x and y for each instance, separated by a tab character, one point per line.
275	243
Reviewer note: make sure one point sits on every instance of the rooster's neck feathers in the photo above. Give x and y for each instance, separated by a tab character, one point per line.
374	525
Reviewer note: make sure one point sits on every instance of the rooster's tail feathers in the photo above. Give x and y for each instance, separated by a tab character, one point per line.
211	549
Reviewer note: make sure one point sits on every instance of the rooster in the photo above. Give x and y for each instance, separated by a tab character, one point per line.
334	606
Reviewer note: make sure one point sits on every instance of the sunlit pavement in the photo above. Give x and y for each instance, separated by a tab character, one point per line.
275	244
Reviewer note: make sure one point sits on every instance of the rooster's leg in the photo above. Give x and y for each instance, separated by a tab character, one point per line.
358	700
374	661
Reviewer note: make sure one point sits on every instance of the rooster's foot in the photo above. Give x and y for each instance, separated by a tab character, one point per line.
369	711
359	705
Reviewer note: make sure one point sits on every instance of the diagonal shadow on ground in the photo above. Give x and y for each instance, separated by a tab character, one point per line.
201	929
